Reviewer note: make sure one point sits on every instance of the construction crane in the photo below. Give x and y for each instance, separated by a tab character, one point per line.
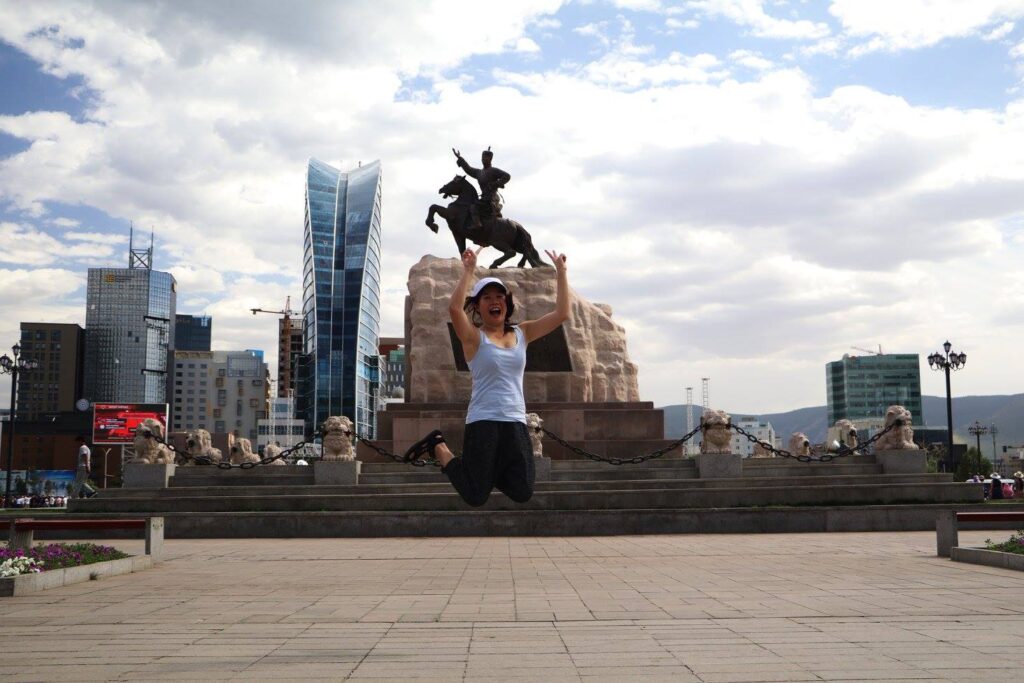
873	353
285	360
287	313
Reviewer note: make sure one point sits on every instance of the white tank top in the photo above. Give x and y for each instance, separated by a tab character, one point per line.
498	381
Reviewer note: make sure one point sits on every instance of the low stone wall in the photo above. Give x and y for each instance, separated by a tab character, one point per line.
24	584
990	558
557	523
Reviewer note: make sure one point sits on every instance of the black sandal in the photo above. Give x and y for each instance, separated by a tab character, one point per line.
424	446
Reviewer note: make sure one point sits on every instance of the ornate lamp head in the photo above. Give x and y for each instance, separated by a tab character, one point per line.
17	349
947	346
6	362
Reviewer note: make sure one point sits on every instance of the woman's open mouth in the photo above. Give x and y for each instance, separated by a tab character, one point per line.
494	310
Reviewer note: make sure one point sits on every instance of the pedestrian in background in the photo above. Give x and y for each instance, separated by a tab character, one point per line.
83	469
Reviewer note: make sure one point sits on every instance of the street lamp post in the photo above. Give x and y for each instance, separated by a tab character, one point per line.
948	361
993	431
13	367
977	429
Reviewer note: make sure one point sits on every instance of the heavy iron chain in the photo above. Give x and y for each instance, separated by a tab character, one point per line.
418	462
636	460
226	464
843	451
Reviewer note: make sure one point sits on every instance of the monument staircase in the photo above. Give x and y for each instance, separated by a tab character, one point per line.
580	497
581	382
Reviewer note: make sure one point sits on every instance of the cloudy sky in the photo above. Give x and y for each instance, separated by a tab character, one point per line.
755	186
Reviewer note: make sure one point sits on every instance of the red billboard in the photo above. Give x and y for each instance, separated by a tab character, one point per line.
115	423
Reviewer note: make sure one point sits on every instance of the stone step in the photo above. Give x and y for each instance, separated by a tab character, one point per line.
441	485
615	499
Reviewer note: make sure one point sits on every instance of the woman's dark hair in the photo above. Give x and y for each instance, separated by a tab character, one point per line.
470	307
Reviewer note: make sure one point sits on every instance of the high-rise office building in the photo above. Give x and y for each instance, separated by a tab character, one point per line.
222	392
129	328
192	332
860	388
341	295
56	384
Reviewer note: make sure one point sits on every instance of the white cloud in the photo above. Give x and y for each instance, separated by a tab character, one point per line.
752	226
101	237
912	24
751	13
751	60
999	32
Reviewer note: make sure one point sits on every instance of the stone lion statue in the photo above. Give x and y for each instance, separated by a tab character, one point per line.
337	444
148	449
241	452
534	422
761	452
199	444
846	433
716	436
901	438
272	450
799	444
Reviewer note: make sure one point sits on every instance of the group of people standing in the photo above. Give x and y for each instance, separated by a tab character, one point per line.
997	488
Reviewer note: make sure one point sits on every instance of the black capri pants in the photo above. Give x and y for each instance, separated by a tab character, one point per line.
494	455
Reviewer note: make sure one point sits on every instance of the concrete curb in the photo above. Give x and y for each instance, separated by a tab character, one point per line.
24	584
990	558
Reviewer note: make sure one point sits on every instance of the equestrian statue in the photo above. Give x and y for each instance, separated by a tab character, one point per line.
477	217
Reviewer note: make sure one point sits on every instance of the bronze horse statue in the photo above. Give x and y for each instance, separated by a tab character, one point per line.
505	235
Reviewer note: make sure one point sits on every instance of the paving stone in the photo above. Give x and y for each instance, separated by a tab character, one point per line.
676	608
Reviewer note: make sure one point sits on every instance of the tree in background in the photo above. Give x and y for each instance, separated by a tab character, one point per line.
969	465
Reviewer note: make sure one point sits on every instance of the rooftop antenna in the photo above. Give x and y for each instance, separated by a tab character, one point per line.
705	390
139	258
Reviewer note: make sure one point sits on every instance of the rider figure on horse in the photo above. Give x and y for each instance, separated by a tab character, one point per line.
491	179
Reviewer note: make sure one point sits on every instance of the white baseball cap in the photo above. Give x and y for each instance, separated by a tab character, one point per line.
479	286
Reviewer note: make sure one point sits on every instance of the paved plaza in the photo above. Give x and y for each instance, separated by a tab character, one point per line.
794	607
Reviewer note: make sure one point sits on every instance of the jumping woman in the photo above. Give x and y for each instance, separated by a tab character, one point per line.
496	449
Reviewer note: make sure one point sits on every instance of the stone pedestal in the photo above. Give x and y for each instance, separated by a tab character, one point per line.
902	462
336	472
542	468
583	361
720	466
144	476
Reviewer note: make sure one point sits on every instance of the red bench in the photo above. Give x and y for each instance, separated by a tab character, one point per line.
946	526
22	530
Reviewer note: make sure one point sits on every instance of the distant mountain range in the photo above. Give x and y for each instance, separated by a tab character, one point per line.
1005	412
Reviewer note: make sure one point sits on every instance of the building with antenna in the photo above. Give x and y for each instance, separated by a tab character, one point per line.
129	329
338	373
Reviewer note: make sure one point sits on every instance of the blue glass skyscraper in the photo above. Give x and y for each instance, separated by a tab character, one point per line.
338	374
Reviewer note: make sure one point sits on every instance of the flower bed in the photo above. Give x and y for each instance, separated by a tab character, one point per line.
1014	545
43	558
